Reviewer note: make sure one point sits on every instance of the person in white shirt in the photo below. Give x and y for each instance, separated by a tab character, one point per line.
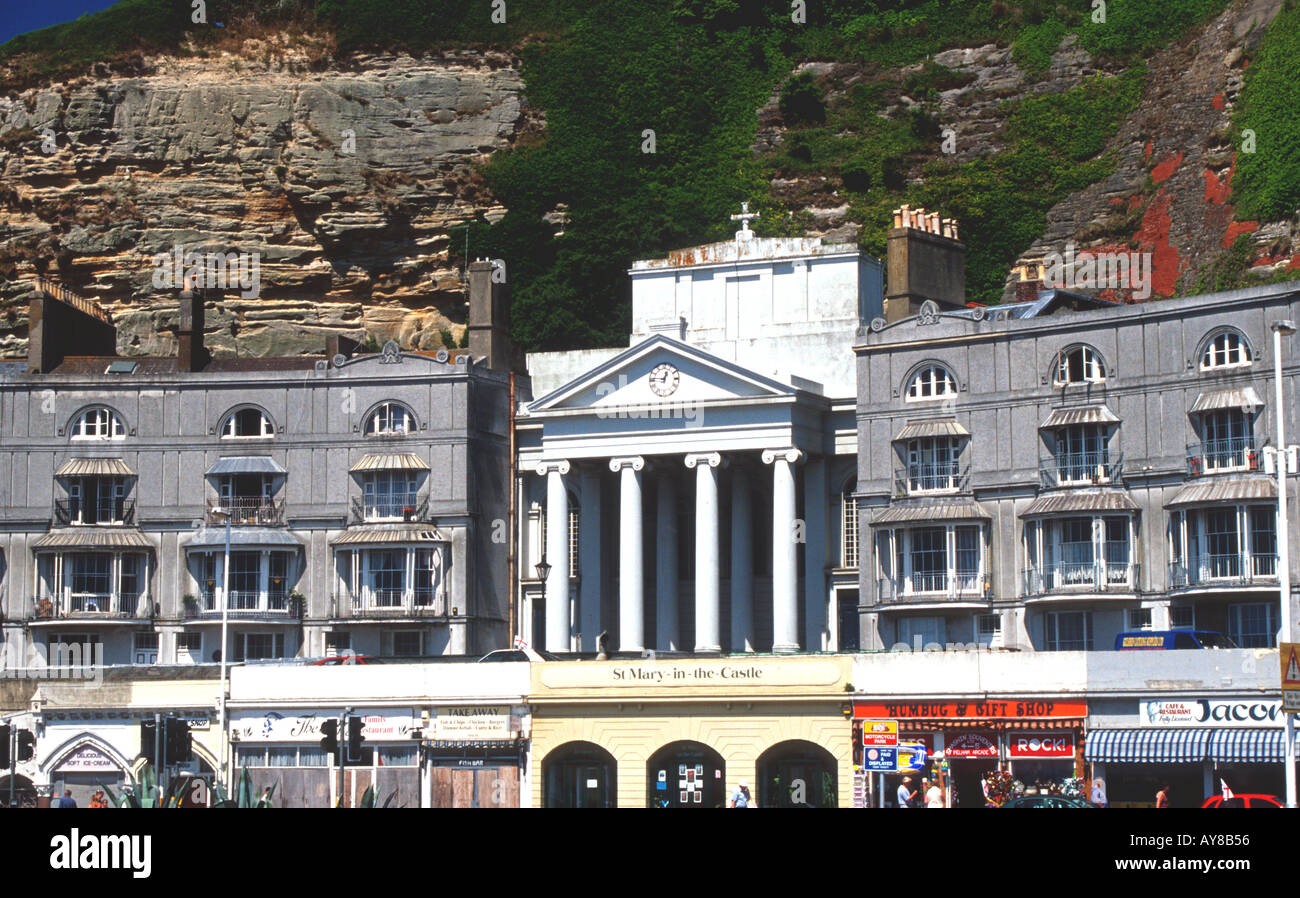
933	794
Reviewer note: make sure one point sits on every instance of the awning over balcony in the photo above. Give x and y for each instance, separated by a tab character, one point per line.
1080	501
270	537
1147	746
933	427
380	534
960	510
1083	414
94	467
1222	489
1244	398
246	464
396	462
93	538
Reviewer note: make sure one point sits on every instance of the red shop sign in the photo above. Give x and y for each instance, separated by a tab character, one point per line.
970	745
1041	745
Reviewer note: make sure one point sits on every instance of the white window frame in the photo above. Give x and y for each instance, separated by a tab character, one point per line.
228	425
1093	368
381	420
1226	348
849	531
99	423
930	383
988	630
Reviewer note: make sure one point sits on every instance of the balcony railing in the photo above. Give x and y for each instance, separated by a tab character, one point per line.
1214	456
246	511
1081	576
389	603
1080	469
967	586
79	512
1224	570
930	477
87	606
410	507
246	603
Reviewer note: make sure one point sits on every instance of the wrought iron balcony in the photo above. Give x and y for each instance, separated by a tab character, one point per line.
408	507
1081	469
388	603
87	606
1081	576
1218	456
246	511
1225	571
963	586
927	478
248	604
81	512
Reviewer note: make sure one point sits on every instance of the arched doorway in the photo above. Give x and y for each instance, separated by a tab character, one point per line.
686	775
24	792
797	774
579	775
84	766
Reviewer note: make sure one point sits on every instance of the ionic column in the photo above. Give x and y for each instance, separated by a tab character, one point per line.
706	550
631	574
742	564
785	558
558	624
666	632
589	563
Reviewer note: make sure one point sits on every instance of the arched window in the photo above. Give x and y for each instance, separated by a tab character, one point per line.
1079	365
931	382
246	423
389	418
98	423
1225	349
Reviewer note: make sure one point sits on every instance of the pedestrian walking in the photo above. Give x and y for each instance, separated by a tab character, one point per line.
741	797
1099	792
933	794
906	794
67	801
1162	797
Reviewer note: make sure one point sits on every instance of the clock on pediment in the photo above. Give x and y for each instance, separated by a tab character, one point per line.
664	379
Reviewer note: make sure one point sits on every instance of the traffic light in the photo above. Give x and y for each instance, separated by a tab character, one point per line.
177	739
4	746
26	745
148	736
330	729
355	740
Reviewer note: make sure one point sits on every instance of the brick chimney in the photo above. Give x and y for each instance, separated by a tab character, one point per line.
191	354
926	260
489	317
62	324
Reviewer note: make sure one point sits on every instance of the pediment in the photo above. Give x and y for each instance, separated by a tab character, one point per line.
661	371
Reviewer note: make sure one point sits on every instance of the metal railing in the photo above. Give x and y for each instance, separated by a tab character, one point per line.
388	603
1081	576
246	510
81	512
930	477
1213	456
85	605
1224	570
1080	469
246	603
411	507
932	586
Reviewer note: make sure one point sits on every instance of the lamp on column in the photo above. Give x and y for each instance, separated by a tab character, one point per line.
543	569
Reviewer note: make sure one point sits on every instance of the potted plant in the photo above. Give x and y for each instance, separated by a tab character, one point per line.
297	603
191	605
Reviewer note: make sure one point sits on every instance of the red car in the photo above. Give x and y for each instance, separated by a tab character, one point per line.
343	659
1244	800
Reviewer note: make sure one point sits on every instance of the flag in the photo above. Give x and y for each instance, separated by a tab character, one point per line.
1227	793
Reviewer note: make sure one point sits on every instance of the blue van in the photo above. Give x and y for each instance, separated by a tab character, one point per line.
1150	640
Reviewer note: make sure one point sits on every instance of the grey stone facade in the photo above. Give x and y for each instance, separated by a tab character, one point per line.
1047	475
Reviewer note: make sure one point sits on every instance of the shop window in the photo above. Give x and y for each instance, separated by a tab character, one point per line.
797	774
398	756
580	775
686	775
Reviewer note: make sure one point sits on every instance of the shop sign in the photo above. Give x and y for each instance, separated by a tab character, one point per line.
1211	712
1040	745
979	710
926	740
388	725
912	756
880	733
746	675
474	722
880	760
970	745
88	759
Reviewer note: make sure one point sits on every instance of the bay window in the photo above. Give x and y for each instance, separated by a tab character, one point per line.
930	561
91	582
1222	543
1084	553
400	578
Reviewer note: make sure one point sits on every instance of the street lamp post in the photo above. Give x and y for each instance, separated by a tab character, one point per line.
1283	548
224	760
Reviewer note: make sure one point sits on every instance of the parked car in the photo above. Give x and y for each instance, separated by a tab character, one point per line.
1047	801
1245	800
1156	640
335	660
520	654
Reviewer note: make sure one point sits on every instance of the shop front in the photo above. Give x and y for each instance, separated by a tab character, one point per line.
1191	746
475	755
685	733
1036	741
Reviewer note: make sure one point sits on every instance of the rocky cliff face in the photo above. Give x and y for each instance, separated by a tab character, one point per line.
348	186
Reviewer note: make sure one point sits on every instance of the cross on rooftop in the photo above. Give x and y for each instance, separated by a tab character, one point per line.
745	215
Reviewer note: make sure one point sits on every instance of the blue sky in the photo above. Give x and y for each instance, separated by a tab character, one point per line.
20	16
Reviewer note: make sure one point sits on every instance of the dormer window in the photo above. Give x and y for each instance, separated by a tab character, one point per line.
246	423
389	418
1226	349
932	382
98	424
1079	365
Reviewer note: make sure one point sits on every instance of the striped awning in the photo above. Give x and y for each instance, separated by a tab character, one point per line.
1086	414
1147	746
1230	746
404	461
246	464
94	467
93	538
1244	398
934	427
960	510
1236	489
389	533
1065	503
